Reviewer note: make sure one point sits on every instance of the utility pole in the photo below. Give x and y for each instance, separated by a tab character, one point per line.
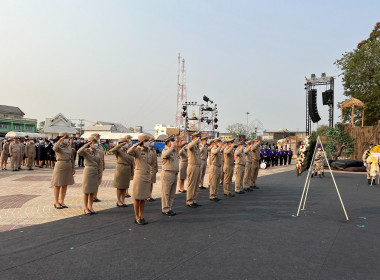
247	122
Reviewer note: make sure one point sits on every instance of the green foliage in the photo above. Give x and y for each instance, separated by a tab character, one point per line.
322	130
338	142
361	76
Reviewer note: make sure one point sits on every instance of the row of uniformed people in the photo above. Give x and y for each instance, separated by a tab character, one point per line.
276	156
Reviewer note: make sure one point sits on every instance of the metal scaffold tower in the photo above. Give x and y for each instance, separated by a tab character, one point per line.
181	92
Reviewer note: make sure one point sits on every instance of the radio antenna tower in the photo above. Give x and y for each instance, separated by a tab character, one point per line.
181	92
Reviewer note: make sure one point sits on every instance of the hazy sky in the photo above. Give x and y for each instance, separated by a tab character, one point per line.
117	60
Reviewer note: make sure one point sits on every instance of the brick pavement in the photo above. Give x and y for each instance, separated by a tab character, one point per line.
26	197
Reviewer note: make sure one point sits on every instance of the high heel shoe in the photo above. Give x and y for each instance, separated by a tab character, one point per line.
87	214
59	207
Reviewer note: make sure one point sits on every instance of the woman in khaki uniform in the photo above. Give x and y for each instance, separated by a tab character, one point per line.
63	170
100	151
123	171
5	155
183	162
153	168
142	177
91	173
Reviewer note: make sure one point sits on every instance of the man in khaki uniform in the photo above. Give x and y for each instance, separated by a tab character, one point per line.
183	163
22	147
203	149
15	153
209	148
30	153
215	169
224	145
318	163
169	175
193	170
153	168
100	151
368	166
248	166
255	149
239	168
228	168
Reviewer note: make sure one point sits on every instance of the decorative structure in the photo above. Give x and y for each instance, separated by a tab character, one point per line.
351	103
181	92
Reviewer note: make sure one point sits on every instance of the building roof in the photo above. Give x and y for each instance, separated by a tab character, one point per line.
58	124
4	109
107	126
113	136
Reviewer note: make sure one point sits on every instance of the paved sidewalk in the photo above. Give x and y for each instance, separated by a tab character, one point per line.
26	197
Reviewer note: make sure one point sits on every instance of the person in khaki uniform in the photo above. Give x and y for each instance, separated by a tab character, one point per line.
215	168
142	177
248	166
100	151
228	168
193	171
239	168
22	148
255	149
318	163
123	171
30	153
224	145
91	173
368	166
169	174
203	150
15	153
153	168
129	140
183	163
209	148
5	155
63	173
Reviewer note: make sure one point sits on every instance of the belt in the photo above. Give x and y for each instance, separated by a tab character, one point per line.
172	171
143	171
91	166
63	159
190	164
123	163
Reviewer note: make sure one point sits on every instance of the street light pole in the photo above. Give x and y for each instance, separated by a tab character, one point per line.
247	122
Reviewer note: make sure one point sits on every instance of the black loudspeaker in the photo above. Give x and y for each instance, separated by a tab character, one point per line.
312	104
327	97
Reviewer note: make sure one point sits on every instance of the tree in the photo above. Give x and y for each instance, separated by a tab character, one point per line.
41	125
322	130
237	129
361	76
338	142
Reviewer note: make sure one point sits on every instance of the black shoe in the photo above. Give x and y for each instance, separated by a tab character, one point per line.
59	207
323	174
226	194
319	176
124	205
192	205
198	205
315	174
231	195
240	192
144	222
118	205
97	200
87	214
170	213
151	199
312	175
215	199
63	206
373	182
93	212
251	189
202	187
182	191
139	222
369	181
256	188
127	196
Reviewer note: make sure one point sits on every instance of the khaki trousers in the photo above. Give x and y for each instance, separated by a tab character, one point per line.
214	175
247	175
222	174
193	178
228	174
15	161
203	172
20	160
168	188
368	170
239	173
30	160
255	172
318	166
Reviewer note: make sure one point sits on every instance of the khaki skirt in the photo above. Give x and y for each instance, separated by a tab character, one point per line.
141	185
153	177
183	170
4	156
90	180
62	174
122	177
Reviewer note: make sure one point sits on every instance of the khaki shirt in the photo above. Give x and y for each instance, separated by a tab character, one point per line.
30	149
194	154
64	152
142	158
203	149
248	155
91	157
183	155
6	149
14	149
240	157
170	159
215	157
255	149
319	156
122	157
229	156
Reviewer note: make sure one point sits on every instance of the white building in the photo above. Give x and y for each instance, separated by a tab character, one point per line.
160	130
103	127
53	126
